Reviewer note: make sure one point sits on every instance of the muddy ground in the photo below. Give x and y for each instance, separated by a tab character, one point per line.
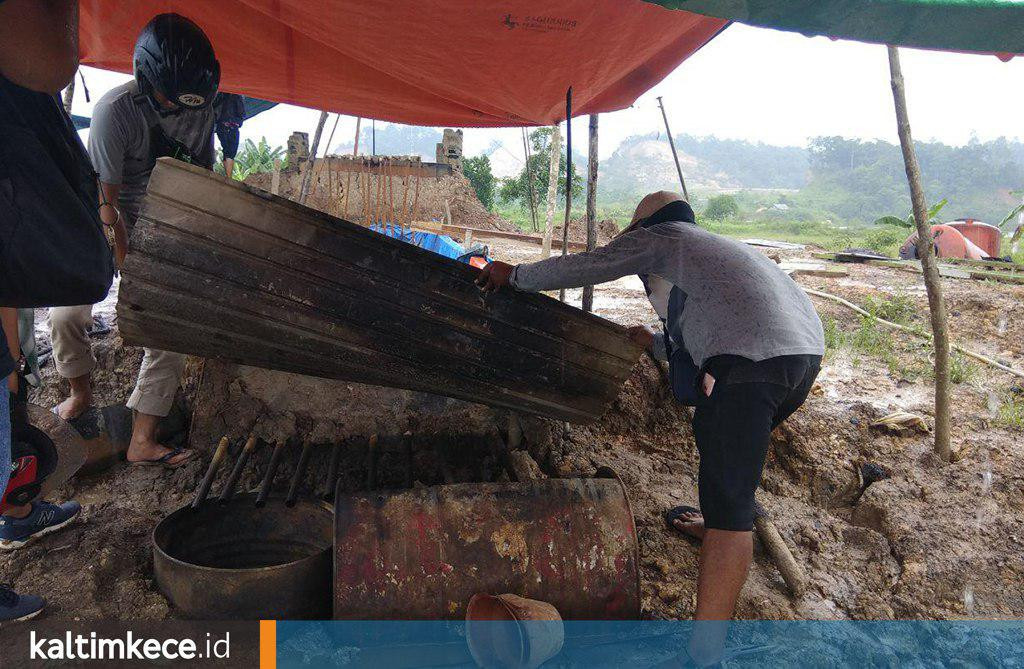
935	540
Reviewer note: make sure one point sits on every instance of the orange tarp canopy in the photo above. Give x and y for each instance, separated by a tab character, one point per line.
425	62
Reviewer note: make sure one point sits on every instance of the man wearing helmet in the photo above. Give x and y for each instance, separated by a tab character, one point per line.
166	110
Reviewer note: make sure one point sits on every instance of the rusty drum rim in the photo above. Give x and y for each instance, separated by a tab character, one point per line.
159	550
632	522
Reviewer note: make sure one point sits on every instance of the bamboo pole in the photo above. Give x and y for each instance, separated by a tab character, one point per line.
926	252
348	178
275	178
588	291
391	190
552	190
377	200
672	145
407	180
415	200
307	177
917	333
568	184
529	182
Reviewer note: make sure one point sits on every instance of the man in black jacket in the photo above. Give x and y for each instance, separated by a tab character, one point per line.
45	177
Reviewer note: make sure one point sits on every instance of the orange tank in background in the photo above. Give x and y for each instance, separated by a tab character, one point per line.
949	243
987	237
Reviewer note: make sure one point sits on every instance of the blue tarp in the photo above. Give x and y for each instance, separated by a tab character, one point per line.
439	244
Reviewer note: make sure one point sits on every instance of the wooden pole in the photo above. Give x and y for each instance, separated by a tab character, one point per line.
926	252
415	200
308	176
275	178
568	180
556	156
529	182
672	145
588	291
407	181
348	177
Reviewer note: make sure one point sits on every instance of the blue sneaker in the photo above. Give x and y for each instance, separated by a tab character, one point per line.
15	608
44	518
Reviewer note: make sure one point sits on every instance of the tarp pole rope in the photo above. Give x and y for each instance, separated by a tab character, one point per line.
568	178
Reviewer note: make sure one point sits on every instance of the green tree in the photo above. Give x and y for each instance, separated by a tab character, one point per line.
721	207
516	189
478	170
253	158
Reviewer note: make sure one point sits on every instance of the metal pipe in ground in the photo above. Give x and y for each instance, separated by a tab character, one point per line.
211	472
268	478
300	469
332	472
236	472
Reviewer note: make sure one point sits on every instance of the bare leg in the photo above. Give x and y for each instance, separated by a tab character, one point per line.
79	400
144	445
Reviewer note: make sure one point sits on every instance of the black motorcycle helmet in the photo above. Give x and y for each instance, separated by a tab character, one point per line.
174	56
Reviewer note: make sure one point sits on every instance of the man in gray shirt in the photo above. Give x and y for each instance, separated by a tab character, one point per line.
745	346
166	111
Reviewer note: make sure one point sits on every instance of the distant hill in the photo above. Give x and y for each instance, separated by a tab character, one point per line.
644	163
837	178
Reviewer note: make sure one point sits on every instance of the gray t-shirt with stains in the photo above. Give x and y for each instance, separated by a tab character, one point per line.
124	142
739	302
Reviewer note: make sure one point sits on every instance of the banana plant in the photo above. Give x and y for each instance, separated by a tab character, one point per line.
908	222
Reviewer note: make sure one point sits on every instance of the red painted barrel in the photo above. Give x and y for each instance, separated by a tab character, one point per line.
987	237
423	553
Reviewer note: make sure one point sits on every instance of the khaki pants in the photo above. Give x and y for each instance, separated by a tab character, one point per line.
159	375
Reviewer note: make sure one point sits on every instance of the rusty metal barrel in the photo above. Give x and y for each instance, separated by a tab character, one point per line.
423	553
234	561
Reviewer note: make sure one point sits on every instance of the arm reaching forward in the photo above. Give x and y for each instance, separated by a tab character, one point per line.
632	253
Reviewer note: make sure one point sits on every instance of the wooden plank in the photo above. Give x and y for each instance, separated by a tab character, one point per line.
483	233
221	270
987	264
798	268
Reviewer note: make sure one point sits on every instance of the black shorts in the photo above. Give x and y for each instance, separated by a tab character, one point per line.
733	430
228	135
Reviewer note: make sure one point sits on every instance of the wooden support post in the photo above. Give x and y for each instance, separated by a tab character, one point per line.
348	178
529	181
588	291
307	177
556	156
926	252
672	145
275	178
568	180
415	200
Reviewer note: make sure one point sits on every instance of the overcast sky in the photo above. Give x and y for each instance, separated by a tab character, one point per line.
759	85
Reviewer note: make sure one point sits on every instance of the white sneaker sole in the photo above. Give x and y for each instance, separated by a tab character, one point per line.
15	544
21	619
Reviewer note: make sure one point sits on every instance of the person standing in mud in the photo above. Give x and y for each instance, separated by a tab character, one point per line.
744	345
165	111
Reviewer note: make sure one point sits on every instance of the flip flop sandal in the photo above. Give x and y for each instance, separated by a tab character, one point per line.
165	460
674	514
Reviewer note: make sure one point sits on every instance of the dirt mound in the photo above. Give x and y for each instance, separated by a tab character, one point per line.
606	230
